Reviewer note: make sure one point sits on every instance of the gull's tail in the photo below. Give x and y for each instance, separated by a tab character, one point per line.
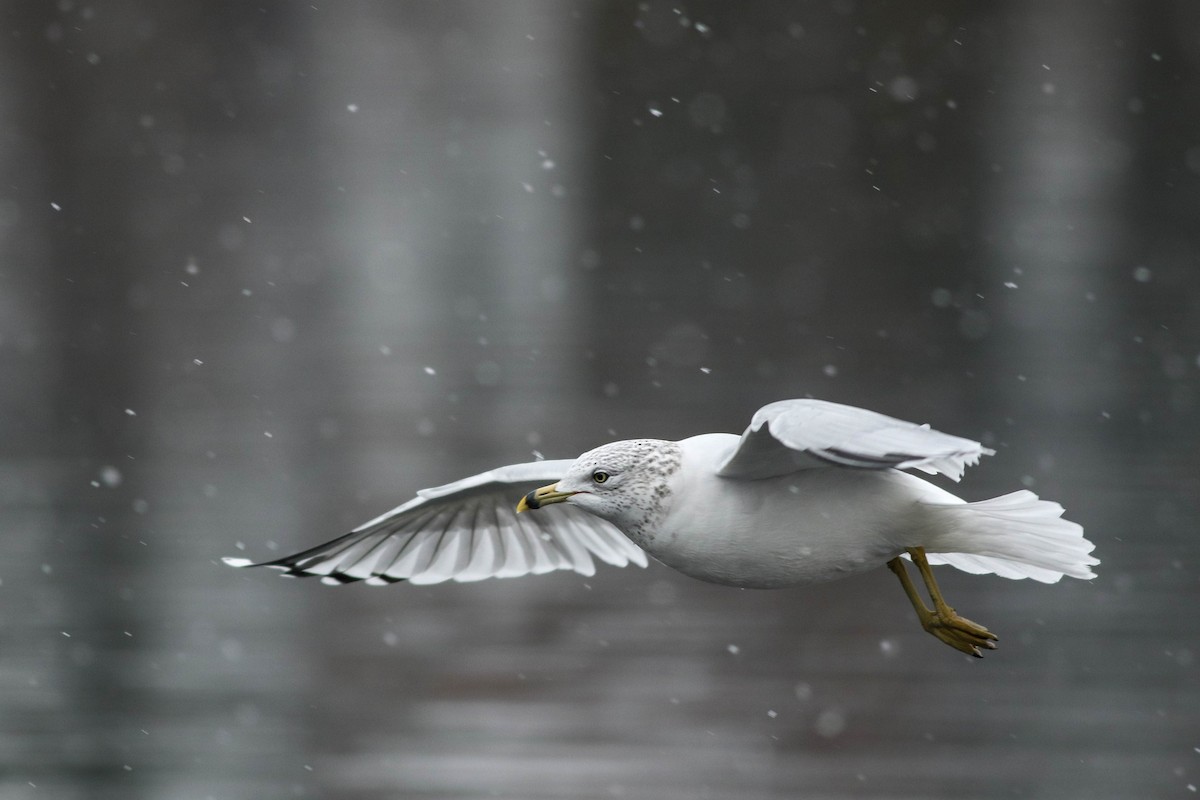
1014	536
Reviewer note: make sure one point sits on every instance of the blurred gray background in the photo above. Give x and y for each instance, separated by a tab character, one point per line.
268	268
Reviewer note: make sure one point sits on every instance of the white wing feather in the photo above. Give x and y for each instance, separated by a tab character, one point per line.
467	530
791	435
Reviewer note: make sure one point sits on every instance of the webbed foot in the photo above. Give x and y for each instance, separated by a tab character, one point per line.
942	621
958	632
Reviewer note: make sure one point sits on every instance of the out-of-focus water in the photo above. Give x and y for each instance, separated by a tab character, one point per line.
265	272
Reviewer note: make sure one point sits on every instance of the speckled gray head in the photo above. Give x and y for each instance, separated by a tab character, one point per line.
626	483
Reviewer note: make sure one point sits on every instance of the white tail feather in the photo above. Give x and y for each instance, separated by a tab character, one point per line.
1014	536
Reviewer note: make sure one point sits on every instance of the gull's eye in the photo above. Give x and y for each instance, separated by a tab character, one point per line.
599	476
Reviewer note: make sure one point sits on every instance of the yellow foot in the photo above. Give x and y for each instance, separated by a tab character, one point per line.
942	620
958	632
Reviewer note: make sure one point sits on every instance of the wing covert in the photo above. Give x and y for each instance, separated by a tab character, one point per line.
791	435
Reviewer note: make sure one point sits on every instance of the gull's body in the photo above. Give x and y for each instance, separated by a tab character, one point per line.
804	527
811	491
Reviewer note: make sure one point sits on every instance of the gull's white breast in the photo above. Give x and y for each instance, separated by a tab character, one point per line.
810	525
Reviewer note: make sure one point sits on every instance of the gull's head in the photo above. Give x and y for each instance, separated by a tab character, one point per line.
626	483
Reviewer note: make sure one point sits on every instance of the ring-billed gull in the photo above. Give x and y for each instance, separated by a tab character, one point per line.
811	491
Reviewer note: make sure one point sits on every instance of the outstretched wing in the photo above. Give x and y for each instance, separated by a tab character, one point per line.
467	531
791	435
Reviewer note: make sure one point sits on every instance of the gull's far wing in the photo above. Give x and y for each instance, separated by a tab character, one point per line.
467	531
792	435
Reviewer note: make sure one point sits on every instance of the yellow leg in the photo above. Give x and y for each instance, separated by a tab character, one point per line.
942	620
